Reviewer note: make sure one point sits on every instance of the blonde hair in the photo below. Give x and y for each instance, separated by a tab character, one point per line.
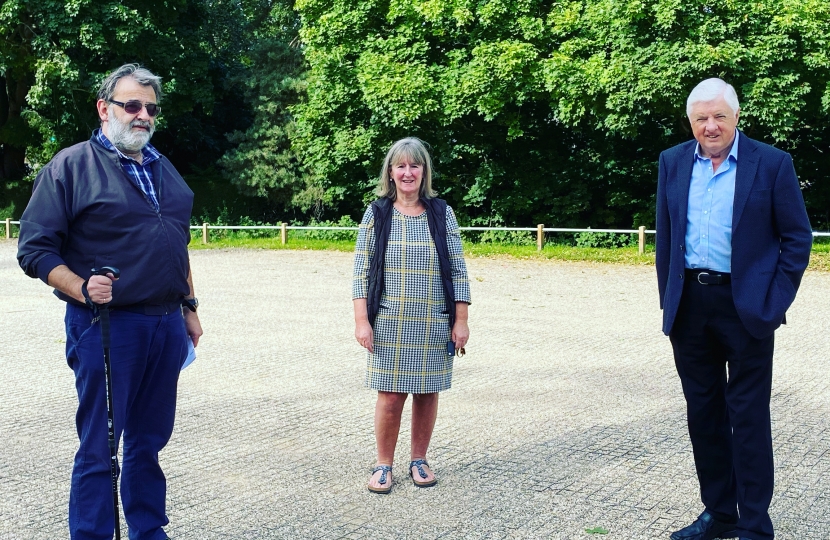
415	151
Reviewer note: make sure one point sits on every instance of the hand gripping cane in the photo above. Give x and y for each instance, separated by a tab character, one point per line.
104	313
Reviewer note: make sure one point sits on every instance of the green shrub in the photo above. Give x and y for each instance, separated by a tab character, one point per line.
344	221
519	238
605	240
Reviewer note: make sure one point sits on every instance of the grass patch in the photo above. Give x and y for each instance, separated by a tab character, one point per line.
819	259
561	252
273	243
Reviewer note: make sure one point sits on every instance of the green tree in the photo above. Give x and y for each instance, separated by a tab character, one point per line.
263	164
54	53
552	112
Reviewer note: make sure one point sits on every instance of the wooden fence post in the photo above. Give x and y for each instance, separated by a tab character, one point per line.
284	233
205	237
8	227
642	238
540	236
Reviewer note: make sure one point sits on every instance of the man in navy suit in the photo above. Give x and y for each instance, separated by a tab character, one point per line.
733	241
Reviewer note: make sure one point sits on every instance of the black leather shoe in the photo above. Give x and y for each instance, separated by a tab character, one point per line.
705	527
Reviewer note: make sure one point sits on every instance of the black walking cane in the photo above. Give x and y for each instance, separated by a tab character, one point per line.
104	313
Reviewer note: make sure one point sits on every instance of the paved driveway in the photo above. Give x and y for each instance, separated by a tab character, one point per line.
566	412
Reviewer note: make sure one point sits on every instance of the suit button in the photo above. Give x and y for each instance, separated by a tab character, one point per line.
681	247
680	276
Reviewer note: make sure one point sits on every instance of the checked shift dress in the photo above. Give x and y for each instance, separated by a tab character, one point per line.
411	330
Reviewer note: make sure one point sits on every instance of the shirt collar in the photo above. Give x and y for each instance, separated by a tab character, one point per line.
733	153
149	151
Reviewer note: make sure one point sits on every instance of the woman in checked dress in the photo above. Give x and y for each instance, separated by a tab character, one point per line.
410	301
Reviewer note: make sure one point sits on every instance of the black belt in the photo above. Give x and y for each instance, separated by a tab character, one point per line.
708	277
150	309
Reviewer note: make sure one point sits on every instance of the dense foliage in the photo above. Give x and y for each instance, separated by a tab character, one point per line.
537	111
54	53
263	164
553	112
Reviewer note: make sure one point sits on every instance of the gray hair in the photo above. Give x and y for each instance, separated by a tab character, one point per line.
415	151
713	89
141	75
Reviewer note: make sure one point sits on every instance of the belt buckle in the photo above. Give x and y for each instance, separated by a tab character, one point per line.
702	274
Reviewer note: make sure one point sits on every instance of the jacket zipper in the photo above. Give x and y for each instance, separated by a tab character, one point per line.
170	289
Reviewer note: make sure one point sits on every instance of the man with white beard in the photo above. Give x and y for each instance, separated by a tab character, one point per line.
114	201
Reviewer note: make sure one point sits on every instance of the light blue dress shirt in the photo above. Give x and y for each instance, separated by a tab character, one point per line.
709	216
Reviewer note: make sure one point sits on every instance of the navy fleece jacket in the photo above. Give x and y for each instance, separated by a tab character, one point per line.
86	212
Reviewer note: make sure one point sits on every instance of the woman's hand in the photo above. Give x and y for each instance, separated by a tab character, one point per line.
460	330
364	335
460	333
362	329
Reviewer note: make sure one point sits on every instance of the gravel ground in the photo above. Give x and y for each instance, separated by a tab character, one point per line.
565	414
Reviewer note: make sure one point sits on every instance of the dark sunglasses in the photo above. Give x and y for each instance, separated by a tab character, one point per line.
134	107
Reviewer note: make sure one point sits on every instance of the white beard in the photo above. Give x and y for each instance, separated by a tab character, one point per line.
125	139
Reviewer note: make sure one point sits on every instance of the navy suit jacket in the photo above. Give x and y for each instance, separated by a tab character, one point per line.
771	234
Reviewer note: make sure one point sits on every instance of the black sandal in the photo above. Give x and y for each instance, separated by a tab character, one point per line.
382	490
419	463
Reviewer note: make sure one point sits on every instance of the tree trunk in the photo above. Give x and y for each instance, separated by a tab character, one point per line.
4	103
12	101
4	117
14	157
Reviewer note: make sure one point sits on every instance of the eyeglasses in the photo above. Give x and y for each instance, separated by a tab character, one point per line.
134	107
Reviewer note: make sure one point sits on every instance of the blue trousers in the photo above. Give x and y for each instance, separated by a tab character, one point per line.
146	356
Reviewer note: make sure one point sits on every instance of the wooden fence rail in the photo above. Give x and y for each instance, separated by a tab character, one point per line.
540	229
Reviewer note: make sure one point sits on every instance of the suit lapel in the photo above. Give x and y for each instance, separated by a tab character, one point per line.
680	189
744	177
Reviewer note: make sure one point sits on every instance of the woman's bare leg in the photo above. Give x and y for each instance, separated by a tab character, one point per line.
424	412
388	411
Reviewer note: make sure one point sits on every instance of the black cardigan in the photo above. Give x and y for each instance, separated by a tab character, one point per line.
437	220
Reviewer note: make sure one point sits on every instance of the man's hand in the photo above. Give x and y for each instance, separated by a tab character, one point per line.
192	326
191	319
69	283
100	288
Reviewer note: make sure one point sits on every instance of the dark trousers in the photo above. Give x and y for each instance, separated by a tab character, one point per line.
146	355
727	381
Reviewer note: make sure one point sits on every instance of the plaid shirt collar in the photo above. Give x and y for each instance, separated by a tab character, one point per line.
140	173
149	151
